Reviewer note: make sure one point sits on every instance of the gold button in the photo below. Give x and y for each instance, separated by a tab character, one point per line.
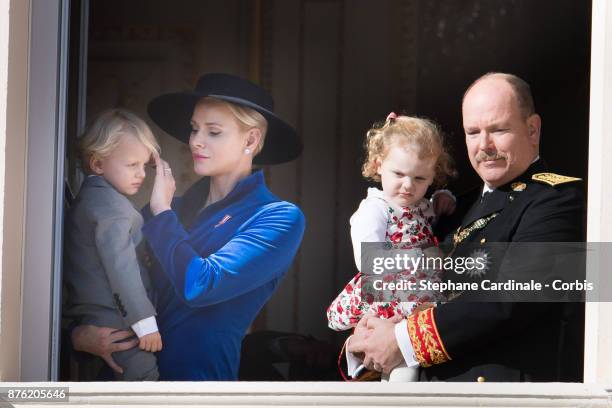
481	379
482	241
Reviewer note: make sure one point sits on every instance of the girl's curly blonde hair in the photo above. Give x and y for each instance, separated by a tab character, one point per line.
420	134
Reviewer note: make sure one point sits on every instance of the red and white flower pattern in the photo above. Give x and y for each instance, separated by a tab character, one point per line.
407	228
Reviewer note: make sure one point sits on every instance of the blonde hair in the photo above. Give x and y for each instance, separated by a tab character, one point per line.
247	118
420	134
104	135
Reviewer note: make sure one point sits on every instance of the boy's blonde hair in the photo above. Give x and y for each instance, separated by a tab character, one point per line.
104	135
420	134
247	118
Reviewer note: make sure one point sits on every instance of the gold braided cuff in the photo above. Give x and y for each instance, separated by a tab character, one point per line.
426	341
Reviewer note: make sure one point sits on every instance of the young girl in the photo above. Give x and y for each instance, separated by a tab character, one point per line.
406	155
106	284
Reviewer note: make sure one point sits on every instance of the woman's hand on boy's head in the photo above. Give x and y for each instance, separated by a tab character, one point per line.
151	342
163	187
443	203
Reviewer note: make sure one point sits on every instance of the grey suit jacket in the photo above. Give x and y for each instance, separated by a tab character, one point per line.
106	284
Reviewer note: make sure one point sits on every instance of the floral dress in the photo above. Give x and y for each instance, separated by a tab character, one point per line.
378	220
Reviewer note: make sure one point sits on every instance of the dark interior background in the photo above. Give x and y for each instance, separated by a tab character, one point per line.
547	43
334	67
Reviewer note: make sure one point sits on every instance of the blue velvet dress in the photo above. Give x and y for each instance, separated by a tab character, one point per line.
214	276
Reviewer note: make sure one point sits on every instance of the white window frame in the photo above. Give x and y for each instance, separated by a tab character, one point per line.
46	113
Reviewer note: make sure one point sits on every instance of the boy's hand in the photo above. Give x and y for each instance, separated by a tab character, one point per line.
151	342
443	204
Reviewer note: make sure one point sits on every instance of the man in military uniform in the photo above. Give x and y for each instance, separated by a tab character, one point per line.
519	201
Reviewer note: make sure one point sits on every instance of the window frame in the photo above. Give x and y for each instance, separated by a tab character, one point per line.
41	280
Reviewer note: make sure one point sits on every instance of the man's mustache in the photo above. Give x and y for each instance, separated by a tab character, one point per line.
484	156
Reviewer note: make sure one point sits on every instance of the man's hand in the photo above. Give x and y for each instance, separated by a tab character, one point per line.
375	338
443	204
102	342
151	342
360	334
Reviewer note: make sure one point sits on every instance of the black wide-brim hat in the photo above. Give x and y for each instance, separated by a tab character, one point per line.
172	113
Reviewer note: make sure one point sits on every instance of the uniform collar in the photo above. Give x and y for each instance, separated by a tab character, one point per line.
488	189
499	198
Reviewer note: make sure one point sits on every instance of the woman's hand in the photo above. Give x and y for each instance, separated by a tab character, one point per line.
163	188
102	342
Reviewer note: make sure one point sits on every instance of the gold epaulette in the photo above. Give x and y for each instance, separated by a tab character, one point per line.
553	179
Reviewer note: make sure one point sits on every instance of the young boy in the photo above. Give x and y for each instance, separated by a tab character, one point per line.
106	284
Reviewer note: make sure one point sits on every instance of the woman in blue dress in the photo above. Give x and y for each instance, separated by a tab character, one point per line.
222	248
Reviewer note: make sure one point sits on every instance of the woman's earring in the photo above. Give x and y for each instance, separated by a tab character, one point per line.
247	151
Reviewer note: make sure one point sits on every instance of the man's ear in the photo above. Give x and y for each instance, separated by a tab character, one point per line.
95	164
253	139
534	125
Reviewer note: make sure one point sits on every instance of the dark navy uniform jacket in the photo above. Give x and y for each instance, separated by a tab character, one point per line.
514	341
